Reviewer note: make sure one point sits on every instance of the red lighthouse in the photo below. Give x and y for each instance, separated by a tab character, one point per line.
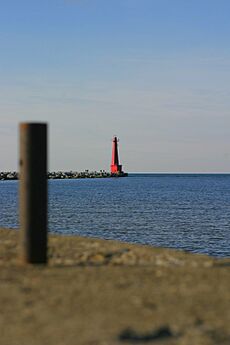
116	168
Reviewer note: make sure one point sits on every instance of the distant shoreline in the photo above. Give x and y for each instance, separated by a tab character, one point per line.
60	175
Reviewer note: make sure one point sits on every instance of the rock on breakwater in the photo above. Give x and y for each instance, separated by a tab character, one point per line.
9	175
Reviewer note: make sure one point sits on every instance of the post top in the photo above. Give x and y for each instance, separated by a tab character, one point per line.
32	124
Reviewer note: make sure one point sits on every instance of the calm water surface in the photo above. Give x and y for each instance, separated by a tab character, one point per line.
183	211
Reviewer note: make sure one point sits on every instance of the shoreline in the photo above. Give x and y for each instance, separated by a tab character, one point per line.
105	292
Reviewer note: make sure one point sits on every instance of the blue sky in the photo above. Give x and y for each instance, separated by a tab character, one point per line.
154	72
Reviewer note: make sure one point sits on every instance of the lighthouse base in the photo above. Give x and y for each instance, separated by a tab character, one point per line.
116	169
121	174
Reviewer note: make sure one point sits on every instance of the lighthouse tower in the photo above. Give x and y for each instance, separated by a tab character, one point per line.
116	168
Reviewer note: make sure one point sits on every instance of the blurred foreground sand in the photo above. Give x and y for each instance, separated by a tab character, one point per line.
98	292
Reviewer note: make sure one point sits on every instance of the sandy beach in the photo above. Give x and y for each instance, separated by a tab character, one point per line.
99	292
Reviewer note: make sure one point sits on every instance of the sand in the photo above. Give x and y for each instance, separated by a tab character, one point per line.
98	292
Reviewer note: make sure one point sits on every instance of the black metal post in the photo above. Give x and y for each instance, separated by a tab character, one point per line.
33	192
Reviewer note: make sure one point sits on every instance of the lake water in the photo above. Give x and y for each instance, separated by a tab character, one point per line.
186	211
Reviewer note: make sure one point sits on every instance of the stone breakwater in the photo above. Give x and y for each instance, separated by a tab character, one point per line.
7	176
